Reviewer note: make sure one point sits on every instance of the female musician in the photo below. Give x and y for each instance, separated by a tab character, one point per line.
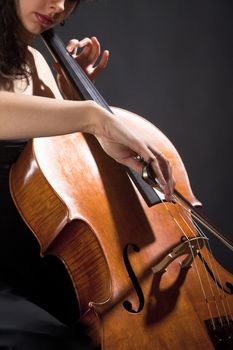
31	105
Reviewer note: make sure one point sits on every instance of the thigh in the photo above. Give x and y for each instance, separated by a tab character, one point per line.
25	326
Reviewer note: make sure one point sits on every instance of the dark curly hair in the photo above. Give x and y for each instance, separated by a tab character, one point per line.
13	50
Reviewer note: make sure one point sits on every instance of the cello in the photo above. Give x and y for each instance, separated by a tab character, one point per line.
142	269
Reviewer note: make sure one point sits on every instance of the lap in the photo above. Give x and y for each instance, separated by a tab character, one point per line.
26	326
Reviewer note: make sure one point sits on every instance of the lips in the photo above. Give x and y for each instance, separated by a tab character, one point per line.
44	20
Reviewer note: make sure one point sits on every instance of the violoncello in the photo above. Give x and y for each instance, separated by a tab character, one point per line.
83	208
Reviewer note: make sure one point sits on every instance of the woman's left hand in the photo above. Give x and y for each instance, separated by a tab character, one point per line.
86	52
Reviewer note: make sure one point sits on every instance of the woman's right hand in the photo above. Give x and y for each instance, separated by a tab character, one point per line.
124	143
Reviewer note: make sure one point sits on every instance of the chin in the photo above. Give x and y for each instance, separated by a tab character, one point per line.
34	29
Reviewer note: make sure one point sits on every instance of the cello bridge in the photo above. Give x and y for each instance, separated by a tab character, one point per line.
189	247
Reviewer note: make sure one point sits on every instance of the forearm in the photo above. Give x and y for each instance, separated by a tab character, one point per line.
23	116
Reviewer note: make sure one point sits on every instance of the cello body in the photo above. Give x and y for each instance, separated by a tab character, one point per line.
83	208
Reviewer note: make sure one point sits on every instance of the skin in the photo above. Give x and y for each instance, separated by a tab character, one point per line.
29	110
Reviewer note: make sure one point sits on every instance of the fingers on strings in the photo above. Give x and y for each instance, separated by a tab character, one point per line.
87	52
162	170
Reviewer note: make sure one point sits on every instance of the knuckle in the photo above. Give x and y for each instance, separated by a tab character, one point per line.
74	41
87	39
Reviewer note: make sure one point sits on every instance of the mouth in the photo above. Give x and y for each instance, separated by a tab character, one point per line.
44	20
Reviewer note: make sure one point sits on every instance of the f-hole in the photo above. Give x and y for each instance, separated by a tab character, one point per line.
127	304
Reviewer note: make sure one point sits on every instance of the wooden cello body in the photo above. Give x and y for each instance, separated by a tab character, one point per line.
137	283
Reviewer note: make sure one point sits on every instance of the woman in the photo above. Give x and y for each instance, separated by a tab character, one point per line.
28	109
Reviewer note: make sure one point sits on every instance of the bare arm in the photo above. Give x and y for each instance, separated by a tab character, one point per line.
26	116
23	116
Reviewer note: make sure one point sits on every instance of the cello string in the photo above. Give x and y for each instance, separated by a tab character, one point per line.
213	269
205	269
220	291
223	300
149	177
195	264
203	221
222	296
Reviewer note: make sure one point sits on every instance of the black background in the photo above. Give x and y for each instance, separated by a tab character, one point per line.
171	62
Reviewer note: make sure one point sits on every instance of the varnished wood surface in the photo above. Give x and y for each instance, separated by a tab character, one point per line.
82	207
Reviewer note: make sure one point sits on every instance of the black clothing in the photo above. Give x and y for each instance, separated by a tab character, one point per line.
33	304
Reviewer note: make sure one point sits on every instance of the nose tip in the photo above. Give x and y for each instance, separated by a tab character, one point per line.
59	5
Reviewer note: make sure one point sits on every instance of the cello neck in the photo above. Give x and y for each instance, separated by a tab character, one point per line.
88	91
73	71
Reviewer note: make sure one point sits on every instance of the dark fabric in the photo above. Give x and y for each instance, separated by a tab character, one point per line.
24	325
9	151
37	300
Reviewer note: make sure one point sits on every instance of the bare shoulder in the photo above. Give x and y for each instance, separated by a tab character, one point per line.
44	83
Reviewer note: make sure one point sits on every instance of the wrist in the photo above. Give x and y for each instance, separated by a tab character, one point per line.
97	118
84	115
